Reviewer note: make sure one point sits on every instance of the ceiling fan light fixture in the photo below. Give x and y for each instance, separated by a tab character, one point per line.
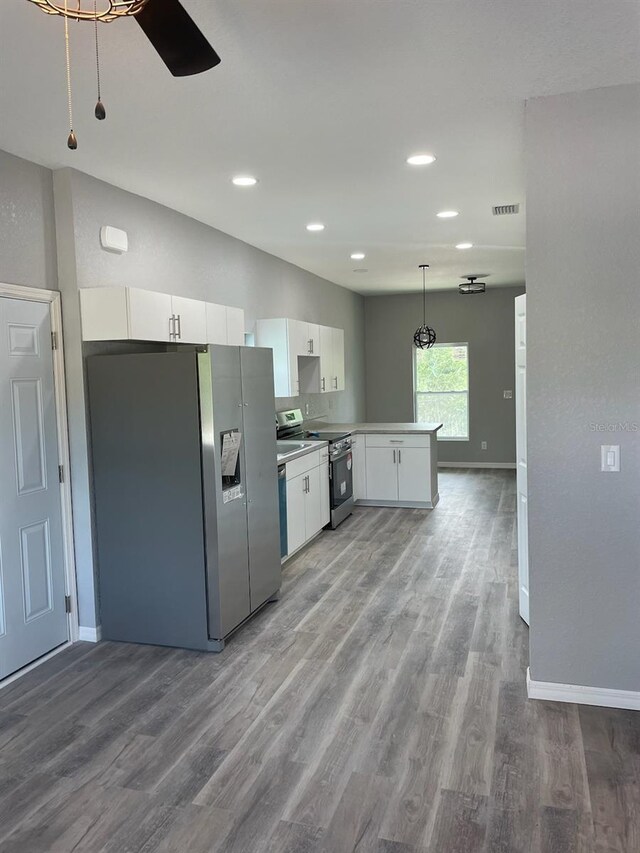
472	285
87	10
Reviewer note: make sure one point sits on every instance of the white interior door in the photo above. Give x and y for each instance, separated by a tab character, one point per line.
33	618
521	454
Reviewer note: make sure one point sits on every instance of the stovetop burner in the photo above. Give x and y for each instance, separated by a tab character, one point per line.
325	435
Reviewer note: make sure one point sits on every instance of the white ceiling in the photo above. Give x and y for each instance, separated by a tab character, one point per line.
323	100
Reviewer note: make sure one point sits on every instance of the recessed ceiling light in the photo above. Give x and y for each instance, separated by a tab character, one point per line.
447	214
244	181
420	159
315	226
357	256
464	245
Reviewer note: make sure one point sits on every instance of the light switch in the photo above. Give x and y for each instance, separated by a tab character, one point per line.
507	395
609	457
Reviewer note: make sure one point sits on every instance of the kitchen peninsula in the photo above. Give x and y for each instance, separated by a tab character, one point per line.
394	464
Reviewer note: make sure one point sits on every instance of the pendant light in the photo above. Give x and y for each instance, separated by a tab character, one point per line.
425	336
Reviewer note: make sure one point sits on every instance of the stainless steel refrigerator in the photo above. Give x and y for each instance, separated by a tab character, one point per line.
186	493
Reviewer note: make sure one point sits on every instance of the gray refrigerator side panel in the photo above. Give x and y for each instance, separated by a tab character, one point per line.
145	430
225	523
262	474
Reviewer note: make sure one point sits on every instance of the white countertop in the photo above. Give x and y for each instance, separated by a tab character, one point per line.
379	429
315	444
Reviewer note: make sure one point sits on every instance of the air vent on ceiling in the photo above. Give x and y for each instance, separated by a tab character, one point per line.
505	209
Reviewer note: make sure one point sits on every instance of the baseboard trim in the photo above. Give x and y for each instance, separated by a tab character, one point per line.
510	465
604	697
90	635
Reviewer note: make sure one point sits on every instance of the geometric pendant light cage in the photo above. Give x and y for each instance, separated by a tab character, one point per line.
424	337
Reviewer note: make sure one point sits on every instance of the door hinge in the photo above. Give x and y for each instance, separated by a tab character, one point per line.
60	473
54	340
67	604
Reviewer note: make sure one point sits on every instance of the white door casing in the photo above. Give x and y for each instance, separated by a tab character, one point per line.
521	454
33	582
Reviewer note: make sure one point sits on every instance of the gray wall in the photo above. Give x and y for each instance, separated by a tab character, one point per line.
583	362
486	322
170	252
27	232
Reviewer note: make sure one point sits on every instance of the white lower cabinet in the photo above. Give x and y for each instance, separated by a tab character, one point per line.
307	498
398	469
296	513
382	474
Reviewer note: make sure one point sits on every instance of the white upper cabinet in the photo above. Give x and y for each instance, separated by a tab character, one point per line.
338	360
307	358
225	325
190	320
216	323
128	313
235	326
331	359
148	313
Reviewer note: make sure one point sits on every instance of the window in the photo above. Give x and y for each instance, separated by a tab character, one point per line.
441	383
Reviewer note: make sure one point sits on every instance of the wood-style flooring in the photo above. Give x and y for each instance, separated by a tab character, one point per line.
378	707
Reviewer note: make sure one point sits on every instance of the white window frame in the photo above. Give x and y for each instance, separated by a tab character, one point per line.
427	393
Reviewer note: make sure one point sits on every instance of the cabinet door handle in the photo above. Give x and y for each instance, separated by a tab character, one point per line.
172	330
179	332
336	382
394	457
323	384
399	456
396	441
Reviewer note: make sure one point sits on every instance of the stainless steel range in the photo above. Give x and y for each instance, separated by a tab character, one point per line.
290	425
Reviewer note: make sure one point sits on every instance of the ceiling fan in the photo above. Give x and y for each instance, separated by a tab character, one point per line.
166	23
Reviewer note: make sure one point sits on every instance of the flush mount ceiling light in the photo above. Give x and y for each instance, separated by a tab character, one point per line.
244	181
315	226
464	245
358	256
425	336
447	214
421	159
471	285
169	28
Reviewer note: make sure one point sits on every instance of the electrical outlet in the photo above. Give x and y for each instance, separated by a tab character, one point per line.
483	445
508	395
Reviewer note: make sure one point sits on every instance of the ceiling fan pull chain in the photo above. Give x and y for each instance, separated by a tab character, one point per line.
72	142
100	112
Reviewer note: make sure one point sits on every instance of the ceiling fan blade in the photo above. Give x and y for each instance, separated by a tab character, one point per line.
172	32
